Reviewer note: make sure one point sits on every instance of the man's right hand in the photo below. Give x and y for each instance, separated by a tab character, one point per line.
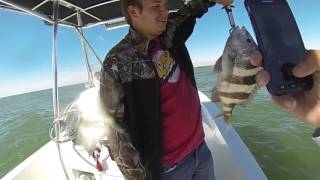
305	105
224	2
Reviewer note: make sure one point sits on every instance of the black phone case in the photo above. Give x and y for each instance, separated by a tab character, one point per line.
281	80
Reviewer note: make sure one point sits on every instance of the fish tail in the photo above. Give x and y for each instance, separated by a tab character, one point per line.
227	113
227	118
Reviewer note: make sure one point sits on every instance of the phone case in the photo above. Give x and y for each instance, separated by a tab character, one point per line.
280	43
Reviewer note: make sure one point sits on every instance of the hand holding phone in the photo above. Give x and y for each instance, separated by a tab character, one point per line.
280	43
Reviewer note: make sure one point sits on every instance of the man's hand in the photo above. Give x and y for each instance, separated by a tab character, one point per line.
305	105
224	2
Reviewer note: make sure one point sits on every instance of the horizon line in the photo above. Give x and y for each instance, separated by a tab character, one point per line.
72	83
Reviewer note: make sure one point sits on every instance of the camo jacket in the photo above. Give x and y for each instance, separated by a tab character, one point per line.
130	93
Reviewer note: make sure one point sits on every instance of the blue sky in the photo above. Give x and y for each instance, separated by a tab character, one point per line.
25	44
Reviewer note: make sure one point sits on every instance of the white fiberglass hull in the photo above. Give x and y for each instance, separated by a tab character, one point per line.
232	159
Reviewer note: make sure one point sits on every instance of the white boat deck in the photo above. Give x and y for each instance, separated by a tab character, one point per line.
232	159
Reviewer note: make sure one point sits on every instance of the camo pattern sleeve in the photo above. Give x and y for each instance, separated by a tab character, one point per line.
126	156
121	149
111	92
194	8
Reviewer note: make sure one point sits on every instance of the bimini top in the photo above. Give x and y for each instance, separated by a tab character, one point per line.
92	12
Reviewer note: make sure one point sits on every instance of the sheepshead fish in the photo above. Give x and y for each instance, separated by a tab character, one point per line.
236	75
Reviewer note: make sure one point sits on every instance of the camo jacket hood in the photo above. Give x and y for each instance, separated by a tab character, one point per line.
130	93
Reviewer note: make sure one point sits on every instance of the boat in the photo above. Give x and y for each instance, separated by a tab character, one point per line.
65	159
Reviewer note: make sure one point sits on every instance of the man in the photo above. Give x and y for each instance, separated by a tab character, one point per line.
148	87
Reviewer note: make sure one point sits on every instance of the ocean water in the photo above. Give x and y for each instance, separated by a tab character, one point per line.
281	145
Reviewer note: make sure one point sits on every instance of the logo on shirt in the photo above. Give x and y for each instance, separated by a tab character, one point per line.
166	66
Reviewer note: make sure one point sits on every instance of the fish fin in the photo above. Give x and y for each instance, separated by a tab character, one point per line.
218	65
217	116
227	119
243	28
215	96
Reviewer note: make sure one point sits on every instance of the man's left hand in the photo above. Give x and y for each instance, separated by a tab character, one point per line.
304	105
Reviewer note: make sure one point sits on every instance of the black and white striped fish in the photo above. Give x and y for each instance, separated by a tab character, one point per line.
236	75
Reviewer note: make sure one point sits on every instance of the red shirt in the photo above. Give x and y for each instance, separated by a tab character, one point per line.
181	110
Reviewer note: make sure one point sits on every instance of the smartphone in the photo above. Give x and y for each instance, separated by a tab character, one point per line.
280	44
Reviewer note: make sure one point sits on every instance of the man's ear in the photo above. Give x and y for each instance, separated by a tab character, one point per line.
133	11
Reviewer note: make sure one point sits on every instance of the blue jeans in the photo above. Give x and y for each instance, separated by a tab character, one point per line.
198	165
